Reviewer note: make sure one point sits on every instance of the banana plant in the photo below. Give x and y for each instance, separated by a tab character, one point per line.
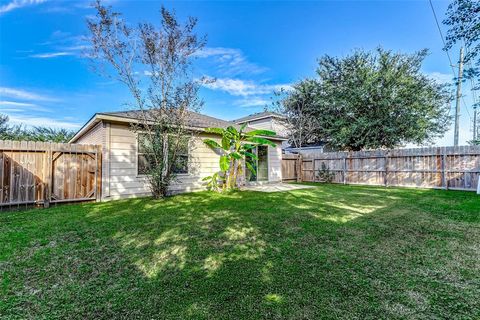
213	182
235	146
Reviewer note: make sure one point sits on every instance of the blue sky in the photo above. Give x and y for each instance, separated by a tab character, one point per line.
253	48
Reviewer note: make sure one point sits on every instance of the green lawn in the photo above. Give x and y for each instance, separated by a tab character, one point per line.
334	251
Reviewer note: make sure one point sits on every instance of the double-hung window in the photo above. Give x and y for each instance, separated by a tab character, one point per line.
144	155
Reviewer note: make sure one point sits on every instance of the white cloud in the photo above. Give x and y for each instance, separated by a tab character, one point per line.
23	105
442	78
4	110
218	51
147	73
41	121
24	95
230	61
62	44
252	102
16	104
237	87
59	9
51	55
60	34
17	4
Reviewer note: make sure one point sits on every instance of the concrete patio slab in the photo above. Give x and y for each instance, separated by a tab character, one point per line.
276	187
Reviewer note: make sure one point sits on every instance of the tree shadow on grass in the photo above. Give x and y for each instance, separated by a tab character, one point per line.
330	252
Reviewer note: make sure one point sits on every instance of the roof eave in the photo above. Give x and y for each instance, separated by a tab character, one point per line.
97	117
240	121
84	129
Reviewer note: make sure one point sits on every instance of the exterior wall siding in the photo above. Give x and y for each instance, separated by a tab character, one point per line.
96	135
120	178
124	180
273	124
261	124
275	163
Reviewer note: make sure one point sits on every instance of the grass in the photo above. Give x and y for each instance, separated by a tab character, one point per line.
333	251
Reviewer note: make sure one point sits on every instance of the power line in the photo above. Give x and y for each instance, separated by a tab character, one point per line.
473	92
441	36
447	52
471	84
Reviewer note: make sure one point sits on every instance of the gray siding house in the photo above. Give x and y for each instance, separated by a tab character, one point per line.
276	122
122	175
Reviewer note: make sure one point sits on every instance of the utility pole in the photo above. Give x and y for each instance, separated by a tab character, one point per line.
474	123
459	96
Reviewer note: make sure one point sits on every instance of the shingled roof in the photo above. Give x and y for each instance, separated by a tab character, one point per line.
195	119
259	115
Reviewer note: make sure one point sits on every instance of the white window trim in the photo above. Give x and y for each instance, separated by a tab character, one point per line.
143	175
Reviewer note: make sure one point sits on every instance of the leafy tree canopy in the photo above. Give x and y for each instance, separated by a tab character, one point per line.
463	20
45	134
370	100
475	142
3	124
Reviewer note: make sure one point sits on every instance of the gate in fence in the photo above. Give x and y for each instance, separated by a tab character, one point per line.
43	173
456	168
290	167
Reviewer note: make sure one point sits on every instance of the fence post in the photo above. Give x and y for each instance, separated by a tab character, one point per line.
48	177
299	168
313	169
98	176
444	175
386	169
344	170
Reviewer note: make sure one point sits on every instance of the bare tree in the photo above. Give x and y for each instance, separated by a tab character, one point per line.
155	64
295	106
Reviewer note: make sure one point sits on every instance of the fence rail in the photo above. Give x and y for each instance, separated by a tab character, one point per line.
43	173
441	167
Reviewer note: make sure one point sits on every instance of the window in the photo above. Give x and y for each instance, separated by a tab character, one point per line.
181	163
144	148
142	154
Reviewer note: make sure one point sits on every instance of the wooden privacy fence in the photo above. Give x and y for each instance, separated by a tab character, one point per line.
455	168
44	173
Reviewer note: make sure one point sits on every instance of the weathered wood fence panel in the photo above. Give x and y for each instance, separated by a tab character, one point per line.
290	167
44	173
438	167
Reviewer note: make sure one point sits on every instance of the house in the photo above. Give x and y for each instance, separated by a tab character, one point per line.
265	120
122	171
268	121
277	122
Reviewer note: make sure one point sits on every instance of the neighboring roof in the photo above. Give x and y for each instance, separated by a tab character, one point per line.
290	148
258	116
195	121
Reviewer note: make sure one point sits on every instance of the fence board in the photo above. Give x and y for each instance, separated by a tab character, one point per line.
434	167
44	173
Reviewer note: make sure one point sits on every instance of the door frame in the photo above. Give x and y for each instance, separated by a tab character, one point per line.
256	166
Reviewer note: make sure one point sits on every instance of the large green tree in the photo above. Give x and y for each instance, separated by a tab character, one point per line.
370	100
